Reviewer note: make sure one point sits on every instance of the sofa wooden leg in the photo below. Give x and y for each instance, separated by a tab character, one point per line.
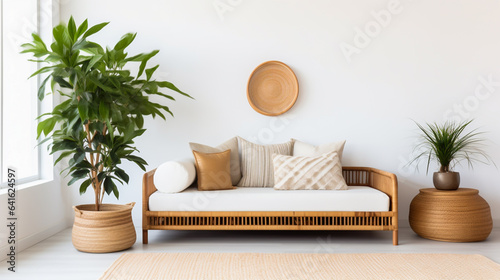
395	237
144	237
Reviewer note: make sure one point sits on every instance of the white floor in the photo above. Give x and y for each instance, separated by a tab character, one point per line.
55	258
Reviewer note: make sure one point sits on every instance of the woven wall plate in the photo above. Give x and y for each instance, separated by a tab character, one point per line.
272	88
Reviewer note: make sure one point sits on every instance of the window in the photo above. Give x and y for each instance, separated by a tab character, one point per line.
19	104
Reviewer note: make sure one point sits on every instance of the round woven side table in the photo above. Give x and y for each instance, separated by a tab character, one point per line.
455	216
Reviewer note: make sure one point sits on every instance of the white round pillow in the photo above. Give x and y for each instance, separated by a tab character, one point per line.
174	176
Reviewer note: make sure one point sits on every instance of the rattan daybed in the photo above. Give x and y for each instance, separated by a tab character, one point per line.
272	220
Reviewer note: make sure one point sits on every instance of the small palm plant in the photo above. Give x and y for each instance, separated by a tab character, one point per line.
103	105
449	144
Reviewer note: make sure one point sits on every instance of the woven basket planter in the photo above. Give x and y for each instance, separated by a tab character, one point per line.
109	230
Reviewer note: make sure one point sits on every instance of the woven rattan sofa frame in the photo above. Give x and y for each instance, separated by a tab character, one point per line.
274	220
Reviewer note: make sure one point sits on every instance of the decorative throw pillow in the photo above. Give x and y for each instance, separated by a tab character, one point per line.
302	149
308	173
174	176
213	170
231	144
257	162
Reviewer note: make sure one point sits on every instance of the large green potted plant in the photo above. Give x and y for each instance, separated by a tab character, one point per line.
448	144
101	113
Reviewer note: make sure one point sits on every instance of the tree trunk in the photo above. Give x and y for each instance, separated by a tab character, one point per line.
97	201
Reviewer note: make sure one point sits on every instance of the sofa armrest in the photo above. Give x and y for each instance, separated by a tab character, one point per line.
387	183
383	181
148	187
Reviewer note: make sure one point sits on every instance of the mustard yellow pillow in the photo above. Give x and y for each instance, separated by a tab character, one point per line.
213	170
231	144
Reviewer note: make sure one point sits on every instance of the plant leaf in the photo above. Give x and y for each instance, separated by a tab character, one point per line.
150	71
125	41
122	175
103	110
81	29
84	186
169	85
41	90
94	29
71	28
448	144
63	155
144	60
46	126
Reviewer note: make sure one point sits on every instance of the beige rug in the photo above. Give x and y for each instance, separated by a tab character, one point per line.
301	266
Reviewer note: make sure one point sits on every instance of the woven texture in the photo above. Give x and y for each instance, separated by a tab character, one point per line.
308	173
109	230
257	162
457	216
192	219
301	266
272	88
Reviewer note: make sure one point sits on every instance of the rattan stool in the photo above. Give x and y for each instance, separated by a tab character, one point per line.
455	216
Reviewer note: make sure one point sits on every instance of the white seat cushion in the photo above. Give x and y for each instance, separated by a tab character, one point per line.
356	198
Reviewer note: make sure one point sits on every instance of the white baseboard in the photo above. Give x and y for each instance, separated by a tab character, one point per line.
26	242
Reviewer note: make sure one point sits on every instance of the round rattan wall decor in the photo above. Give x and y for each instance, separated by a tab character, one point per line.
272	88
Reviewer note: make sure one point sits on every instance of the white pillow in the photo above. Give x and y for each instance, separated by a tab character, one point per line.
174	176
302	149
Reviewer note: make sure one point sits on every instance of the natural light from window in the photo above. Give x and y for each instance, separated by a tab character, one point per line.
19	106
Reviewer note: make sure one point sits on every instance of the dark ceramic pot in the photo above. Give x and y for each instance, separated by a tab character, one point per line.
446	180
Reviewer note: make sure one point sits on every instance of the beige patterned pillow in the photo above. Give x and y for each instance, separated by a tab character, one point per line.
231	144
257	162
308	173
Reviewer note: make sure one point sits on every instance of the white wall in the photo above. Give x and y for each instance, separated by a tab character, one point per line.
426	60
41	212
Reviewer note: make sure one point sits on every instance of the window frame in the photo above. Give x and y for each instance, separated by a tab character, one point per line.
44	167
